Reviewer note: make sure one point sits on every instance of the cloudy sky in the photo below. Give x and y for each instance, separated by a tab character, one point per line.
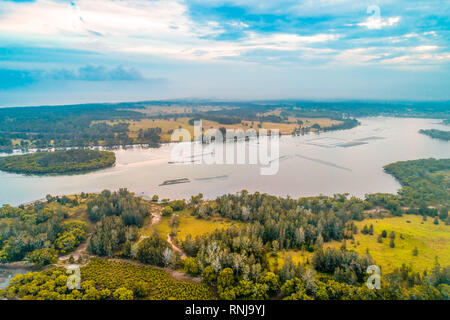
58	51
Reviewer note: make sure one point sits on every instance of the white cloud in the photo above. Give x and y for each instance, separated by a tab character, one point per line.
378	22
149	27
425	48
164	28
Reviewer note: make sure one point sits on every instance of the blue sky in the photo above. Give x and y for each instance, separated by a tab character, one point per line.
58	51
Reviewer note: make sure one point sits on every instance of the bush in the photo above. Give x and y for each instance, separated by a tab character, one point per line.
43	257
167	211
141	289
151	250
177	205
123	294
191	266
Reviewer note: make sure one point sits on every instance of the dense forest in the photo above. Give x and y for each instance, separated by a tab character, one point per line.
39	232
437	134
58	162
67	126
425	182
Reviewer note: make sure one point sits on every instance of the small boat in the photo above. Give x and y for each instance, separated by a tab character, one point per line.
175	181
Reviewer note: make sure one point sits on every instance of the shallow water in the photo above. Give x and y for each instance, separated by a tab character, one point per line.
7	274
332	162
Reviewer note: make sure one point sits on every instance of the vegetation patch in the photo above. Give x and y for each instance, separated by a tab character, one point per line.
437	134
58	162
411	231
182	224
106	280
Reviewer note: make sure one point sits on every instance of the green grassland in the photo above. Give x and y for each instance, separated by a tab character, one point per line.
188	225
430	239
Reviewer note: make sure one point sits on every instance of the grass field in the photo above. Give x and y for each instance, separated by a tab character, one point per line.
297	256
175	123
431	240
188	225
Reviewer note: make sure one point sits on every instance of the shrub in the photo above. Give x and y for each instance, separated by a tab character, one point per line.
167	211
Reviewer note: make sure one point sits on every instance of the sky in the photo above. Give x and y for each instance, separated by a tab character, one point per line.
80	51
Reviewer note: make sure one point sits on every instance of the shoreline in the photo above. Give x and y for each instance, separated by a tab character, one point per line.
16	265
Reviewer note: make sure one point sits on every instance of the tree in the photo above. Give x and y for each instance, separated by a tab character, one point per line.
155	198
380	239
167	211
392	243
167	256
443	213
208	275
319	242
108	236
191	266
225	279
415	251
141	289
123	294
152	250
43	257
272	281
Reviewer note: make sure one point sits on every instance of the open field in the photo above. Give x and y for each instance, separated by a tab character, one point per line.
188	225
167	125
431	240
279	257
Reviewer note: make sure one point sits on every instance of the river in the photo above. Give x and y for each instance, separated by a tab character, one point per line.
327	163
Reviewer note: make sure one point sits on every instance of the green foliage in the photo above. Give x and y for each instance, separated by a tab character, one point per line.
167	211
142	279
67	126
123	294
130	208
329	260
151	250
43	257
38	226
437	134
191	266
422	183
58	162
108	236
177	205
74	232
105	280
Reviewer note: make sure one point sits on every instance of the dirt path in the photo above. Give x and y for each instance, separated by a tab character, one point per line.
175	248
156	217
156	214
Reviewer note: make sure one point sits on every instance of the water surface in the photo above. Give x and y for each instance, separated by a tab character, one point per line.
327	163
